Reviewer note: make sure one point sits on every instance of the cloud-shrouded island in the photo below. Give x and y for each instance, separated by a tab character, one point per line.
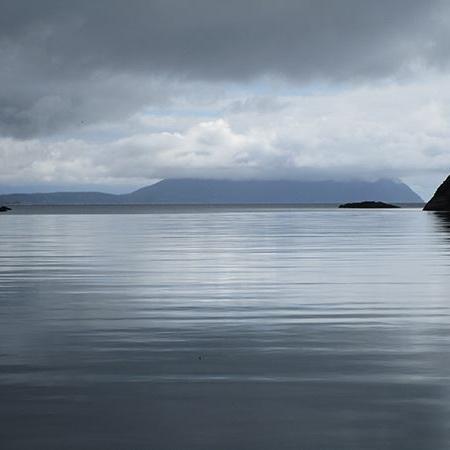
209	191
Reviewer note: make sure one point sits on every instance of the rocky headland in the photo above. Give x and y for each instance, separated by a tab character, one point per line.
441	199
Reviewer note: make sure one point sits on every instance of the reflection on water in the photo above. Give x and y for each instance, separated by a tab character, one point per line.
443	219
245	329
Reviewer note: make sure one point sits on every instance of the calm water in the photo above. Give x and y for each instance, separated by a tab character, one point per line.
242	328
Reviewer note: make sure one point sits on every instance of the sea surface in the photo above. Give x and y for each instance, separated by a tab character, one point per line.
224	328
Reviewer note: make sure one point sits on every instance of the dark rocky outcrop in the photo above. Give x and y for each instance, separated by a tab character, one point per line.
441	199
368	205
4	209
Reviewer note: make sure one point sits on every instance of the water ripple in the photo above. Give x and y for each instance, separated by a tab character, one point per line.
232	328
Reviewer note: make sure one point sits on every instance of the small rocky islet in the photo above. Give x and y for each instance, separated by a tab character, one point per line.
4	209
368	205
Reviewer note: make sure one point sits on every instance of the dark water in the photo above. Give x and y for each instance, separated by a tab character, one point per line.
263	328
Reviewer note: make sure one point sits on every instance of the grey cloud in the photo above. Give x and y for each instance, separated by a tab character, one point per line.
62	61
224	40
261	105
40	107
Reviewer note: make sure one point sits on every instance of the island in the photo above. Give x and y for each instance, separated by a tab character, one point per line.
441	199
368	205
4	209
230	191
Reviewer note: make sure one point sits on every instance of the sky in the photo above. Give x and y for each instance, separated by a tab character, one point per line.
113	95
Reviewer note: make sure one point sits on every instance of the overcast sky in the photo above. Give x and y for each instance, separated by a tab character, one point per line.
113	94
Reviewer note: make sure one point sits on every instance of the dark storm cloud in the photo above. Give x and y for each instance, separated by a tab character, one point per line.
61	60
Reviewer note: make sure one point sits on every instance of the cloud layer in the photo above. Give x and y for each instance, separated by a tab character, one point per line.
123	92
367	133
64	61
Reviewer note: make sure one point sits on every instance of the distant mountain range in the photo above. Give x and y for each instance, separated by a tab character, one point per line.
234	191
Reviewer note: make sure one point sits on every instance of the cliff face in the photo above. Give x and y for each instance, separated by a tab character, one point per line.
441	198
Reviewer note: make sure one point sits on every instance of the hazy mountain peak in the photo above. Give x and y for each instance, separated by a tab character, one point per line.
189	190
